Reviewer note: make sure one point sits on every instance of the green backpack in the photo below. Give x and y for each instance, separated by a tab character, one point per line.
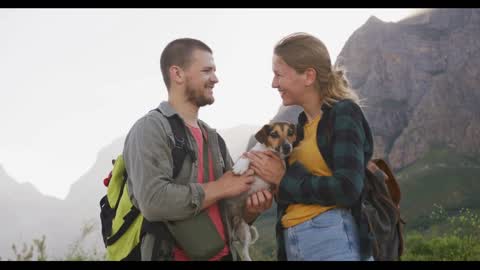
122	223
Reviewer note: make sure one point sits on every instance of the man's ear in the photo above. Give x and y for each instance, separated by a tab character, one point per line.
262	134
176	74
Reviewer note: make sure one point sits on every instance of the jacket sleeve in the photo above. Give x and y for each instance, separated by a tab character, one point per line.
149	163
344	187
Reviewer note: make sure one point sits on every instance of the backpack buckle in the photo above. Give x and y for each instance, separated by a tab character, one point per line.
179	142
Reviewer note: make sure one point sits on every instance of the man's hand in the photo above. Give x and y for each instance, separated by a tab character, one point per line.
256	204
267	165
227	186
233	185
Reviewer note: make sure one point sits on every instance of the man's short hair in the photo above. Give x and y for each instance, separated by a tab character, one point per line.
179	53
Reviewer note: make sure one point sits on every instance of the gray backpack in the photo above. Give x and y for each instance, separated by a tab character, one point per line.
381	209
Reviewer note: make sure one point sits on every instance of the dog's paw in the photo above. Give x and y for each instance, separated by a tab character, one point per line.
241	166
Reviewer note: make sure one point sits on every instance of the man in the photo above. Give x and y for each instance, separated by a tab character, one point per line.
188	71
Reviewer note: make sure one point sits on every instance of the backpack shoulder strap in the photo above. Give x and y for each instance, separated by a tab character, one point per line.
223	149
180	149
391	181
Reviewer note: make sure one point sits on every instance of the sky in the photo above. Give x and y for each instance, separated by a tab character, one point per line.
74	80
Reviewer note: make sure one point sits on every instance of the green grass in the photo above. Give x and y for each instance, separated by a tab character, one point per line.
441	248
265	247
441	177
451	237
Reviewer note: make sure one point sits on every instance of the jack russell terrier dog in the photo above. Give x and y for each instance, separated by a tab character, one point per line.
278	137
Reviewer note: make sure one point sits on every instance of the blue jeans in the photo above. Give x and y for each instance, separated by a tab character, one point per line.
330	236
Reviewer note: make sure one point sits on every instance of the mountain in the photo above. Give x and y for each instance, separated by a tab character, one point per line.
421	81
31	214
26	214
89	188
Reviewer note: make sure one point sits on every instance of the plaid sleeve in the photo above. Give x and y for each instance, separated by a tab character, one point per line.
343	188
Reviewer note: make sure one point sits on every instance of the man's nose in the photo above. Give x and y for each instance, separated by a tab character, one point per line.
214	78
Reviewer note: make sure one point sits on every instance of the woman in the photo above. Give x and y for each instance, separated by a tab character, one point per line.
319	190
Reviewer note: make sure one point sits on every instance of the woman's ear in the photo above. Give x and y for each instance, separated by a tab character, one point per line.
310	76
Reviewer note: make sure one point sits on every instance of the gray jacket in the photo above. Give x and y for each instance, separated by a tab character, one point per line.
148	160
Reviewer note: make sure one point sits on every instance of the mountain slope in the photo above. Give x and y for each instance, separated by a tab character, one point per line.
420	78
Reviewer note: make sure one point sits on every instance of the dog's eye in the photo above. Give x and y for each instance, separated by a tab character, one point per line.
290	132
274	135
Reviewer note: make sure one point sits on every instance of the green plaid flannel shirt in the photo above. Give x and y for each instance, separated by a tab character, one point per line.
345	141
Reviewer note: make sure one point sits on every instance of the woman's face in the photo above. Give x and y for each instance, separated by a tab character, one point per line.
289	83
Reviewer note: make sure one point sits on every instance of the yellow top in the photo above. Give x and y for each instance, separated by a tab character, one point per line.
309	155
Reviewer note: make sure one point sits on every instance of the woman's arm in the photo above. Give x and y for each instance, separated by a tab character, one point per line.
344	187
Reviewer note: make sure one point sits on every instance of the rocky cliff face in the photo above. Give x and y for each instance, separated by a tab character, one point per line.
420	79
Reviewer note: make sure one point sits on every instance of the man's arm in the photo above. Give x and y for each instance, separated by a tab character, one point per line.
149	164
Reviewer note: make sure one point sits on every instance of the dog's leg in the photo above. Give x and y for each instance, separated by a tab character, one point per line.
241	166
246	242
244	236
255	233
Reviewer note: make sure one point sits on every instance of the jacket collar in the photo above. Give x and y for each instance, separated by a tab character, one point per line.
166	108
302	117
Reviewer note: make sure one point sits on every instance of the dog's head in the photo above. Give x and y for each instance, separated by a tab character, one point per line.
278	136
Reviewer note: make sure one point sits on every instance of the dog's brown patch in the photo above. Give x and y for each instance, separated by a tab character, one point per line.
277	134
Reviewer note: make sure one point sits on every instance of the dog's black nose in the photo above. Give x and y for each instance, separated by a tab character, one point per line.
286	148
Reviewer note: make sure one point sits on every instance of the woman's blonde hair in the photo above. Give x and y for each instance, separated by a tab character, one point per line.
301	51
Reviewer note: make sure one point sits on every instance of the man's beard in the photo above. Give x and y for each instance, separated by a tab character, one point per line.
197	97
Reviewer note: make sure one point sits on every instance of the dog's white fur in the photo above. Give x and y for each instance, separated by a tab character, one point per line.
242	231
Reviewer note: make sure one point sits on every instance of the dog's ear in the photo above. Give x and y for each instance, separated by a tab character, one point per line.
262	134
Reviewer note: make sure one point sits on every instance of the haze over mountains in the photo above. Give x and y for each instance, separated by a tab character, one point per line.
29	214
420	79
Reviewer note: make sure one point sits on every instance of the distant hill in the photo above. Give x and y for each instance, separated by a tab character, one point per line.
26	214
31	214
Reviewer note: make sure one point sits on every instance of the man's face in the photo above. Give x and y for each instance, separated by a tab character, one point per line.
201	79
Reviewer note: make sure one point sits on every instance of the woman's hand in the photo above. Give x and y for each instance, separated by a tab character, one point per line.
256	204
267	165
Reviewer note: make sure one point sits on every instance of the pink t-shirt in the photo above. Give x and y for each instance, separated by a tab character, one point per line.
213	210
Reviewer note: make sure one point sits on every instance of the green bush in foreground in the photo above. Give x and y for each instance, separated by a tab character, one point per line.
452	238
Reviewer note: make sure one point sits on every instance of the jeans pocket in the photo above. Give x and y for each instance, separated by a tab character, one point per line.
331	218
